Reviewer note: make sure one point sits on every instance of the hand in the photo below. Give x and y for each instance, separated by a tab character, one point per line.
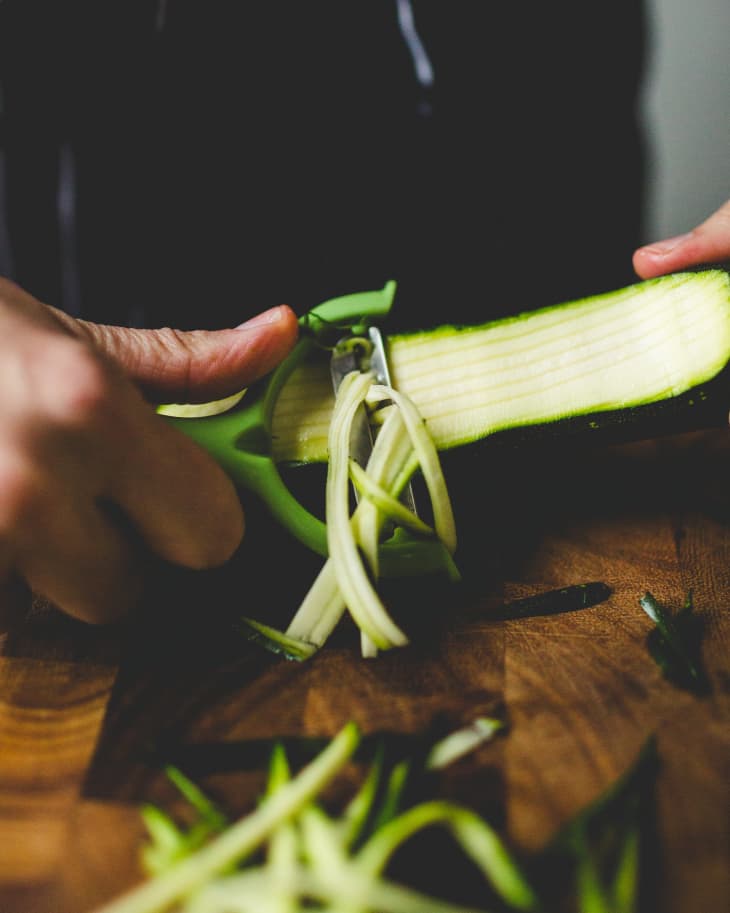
708	243
91	478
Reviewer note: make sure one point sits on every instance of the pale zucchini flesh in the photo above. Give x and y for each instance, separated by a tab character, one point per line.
643	344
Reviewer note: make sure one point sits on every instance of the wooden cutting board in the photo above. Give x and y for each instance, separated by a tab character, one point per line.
85	714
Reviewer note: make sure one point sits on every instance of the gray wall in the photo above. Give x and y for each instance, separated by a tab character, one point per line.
687	113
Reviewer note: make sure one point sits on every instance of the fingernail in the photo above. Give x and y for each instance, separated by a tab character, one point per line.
273	315
662	248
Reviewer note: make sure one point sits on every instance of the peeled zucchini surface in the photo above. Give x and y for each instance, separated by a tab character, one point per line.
646	343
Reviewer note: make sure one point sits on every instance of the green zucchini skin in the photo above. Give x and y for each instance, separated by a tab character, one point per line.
698	409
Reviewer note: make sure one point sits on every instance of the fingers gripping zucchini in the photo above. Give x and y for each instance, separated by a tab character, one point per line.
630	363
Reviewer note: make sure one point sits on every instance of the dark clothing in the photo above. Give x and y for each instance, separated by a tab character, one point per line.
242	154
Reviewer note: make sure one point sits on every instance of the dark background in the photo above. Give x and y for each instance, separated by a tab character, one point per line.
191	163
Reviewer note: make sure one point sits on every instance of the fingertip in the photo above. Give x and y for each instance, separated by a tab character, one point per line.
661	257
278	326
281	315
262	343
644	264
287	328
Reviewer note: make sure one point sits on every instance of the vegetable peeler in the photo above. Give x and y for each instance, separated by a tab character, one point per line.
240	439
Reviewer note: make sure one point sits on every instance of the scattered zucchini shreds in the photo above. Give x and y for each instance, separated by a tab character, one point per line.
282	866
205	807
323	606
395	786
368	648
277	641
359	808
321	844
279	771
167	842
343	582
429	462
345	892
320	610
243	837
390	465
554	602
591	895
478	840
360	597
201	410
459	743
649	604
625	888
674	648
393	509
283	846
602	843
312	860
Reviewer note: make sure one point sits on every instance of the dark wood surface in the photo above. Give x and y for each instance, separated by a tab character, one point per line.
86	714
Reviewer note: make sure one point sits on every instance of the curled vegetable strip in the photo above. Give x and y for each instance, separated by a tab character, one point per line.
401	444
429	462
310	859
291	647
244	836
282	852
320	610
473	834
385	501
389	466
360	597
201	410
345	891
462	741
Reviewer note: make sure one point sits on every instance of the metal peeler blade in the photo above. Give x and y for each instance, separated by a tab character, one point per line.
364	353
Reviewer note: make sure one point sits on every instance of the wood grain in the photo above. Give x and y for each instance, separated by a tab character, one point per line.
87	714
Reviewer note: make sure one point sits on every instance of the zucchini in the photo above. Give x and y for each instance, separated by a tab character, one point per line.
646	359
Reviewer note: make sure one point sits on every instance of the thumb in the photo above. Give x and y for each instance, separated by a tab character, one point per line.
707	243
198	365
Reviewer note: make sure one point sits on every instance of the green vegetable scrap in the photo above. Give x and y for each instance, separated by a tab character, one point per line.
675	643
275	641
555	602
457	744
205	871
290	855
602	857
168	842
